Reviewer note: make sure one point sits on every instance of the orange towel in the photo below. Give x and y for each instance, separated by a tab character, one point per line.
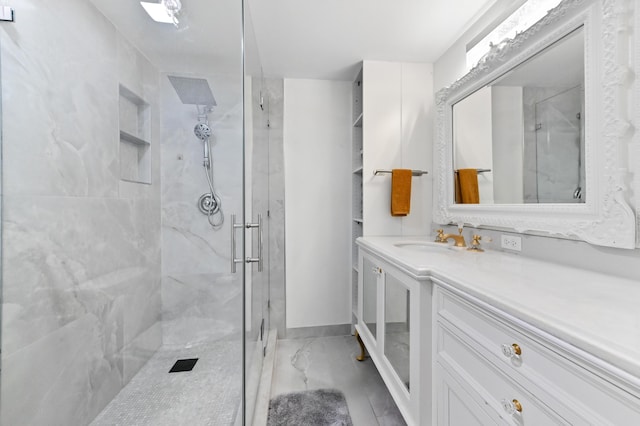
456	187
467	186
400	192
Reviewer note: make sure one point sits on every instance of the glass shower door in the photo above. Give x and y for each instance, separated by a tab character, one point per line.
122	164
257	218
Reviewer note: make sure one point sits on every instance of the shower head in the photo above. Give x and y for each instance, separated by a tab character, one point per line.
193	91
202	131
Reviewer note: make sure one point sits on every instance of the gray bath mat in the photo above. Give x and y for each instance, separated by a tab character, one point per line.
321	407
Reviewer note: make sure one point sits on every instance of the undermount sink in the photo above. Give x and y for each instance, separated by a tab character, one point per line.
423	246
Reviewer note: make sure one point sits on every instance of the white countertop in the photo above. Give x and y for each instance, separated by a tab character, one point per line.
594	312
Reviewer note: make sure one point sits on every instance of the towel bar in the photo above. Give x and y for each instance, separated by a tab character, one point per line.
481	171
413	172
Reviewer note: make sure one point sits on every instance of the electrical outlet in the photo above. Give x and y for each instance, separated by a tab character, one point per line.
511	242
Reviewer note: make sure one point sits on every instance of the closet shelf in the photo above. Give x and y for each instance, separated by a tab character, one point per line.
357	220
358	171
358	122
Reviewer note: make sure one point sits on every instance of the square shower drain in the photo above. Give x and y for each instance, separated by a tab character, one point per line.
183	365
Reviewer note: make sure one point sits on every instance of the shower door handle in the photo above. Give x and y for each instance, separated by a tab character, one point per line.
258	259
234	259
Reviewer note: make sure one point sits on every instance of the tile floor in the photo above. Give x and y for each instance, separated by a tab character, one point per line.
329	362
207	395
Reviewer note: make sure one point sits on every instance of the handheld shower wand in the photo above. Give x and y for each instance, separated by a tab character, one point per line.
209	203
203	132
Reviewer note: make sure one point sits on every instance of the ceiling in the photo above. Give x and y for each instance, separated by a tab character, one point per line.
326	39
297	38
209	34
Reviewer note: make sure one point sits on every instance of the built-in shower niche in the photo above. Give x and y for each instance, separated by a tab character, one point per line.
135	137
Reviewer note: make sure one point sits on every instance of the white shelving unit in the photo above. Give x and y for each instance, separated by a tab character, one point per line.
357	215
391	129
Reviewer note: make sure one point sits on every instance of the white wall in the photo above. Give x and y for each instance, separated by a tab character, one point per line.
397	133
317	162
416	138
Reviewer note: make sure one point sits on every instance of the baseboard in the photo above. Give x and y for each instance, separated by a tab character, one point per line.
261	411
320	331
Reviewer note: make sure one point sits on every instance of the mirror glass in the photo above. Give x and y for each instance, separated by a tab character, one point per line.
520	139
369	295
396	327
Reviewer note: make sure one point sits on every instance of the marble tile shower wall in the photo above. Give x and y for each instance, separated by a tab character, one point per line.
258	145
275	92
202	300
81	248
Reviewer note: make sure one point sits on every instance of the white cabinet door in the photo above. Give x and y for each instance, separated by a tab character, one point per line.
371	277
394	323
456	406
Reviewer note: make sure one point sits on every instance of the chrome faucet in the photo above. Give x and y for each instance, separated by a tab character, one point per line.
459	239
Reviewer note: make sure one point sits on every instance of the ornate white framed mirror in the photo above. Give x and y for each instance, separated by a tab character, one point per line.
541	122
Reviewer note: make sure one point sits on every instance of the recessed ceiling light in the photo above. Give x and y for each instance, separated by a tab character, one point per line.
164	12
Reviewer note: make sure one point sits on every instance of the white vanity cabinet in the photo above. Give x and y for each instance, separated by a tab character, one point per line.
490	368
392	310
499	339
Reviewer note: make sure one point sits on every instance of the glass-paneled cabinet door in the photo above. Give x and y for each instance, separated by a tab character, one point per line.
370	276
397	326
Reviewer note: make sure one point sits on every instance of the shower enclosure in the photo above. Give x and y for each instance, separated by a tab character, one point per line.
559	148
554	159
134	212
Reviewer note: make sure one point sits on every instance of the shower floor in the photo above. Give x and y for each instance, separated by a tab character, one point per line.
207	395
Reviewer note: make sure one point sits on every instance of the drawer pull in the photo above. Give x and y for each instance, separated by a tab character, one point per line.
511	407
511	351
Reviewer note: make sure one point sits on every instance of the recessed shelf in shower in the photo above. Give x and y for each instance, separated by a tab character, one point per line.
135	137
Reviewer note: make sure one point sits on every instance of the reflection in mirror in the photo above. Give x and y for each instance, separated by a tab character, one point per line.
520	139
396	327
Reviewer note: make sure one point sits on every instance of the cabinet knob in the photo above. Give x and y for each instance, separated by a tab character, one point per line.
511	407
511	351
